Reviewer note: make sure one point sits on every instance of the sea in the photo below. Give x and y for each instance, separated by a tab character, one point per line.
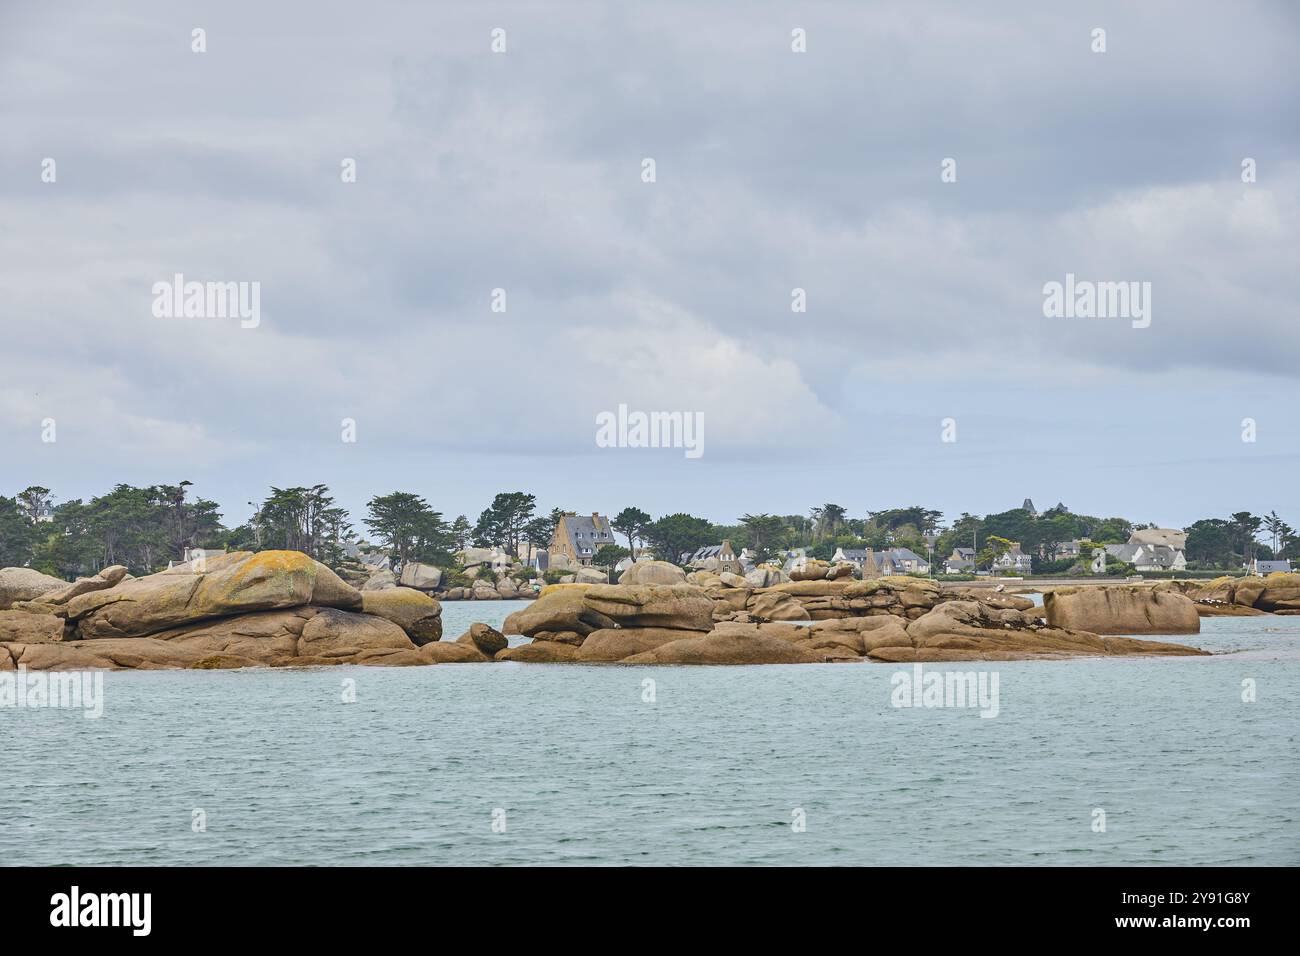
1088	761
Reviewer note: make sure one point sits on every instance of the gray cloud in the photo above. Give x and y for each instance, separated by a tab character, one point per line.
775	170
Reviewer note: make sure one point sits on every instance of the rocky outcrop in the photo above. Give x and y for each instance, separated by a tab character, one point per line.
727	646
107	578
422	577
540	652
776	606
265	637
591	576
486	639
24	584
235	583
765	576
967	630
27	628
560	609
1273	594
653	572
380	581
419	615
828	599
608	645
452	652
331	633
1121	610
130	653
681	606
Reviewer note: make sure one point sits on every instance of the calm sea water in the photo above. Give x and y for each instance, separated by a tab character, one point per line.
715	770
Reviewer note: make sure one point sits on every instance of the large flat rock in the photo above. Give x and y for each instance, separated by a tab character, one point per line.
1121	610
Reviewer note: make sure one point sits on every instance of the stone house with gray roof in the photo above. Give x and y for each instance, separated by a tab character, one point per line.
578	538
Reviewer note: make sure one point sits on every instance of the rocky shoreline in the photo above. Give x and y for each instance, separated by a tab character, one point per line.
283	609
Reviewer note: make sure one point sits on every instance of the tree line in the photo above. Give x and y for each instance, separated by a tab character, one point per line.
145	528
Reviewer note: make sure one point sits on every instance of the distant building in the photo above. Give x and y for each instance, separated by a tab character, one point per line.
1167	537
715	557
888	561
1029	506
1013	560
1148	557
377	560
961	561
1153	549
578	538
1261	568
1068	549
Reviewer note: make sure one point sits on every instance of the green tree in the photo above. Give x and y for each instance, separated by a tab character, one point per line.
763	534
608	555
1209	543
672	535
461	532
16	534
502	524
409	528
33	502
300	519
631	522
538	533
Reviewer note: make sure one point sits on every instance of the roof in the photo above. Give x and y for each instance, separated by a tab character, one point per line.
1169	537
709	551
1269	567
586	534
1157	555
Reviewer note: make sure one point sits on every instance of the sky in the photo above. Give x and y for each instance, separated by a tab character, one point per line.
774	170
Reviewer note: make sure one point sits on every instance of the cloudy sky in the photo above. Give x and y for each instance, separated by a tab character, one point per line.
775	170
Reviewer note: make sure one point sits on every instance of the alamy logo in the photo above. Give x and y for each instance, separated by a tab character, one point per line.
624	429
920	688
1084	299
103	909
67	690
179	299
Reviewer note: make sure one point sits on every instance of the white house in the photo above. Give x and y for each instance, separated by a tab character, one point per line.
1148	557
1014	560
887	561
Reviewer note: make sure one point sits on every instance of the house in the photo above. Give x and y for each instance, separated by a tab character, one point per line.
888	561
1261	568
1148	557
1013	560
578	538
715	557
1029	506
1153	549
1068	550
375	559
961	561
